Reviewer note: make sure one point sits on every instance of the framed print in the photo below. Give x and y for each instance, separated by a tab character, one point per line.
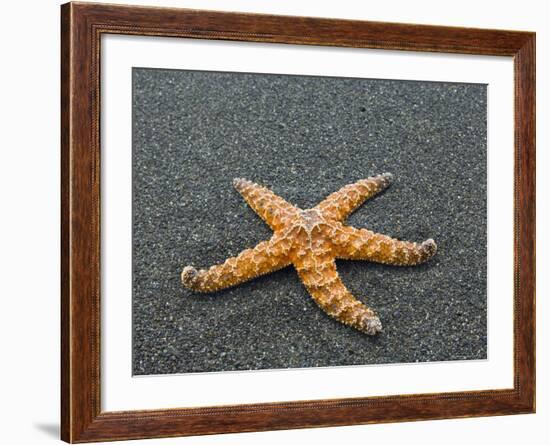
274	222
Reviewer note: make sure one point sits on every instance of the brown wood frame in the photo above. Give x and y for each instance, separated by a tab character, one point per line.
82	25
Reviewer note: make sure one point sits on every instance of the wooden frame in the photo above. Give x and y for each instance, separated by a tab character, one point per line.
81	28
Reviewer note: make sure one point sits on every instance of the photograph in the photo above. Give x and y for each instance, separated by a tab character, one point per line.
292	221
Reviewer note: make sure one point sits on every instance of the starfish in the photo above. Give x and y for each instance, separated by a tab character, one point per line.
312	240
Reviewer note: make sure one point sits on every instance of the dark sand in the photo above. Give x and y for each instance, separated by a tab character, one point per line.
304	137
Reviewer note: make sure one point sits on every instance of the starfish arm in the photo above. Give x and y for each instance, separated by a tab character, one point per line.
266	257
319	275
362	244
273	209
339	205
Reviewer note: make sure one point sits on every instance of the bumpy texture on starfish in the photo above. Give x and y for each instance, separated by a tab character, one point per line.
312	240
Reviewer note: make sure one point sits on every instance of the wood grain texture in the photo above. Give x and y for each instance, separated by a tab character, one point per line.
65	228
81	28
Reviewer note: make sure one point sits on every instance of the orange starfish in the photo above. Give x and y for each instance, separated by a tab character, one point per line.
312	240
